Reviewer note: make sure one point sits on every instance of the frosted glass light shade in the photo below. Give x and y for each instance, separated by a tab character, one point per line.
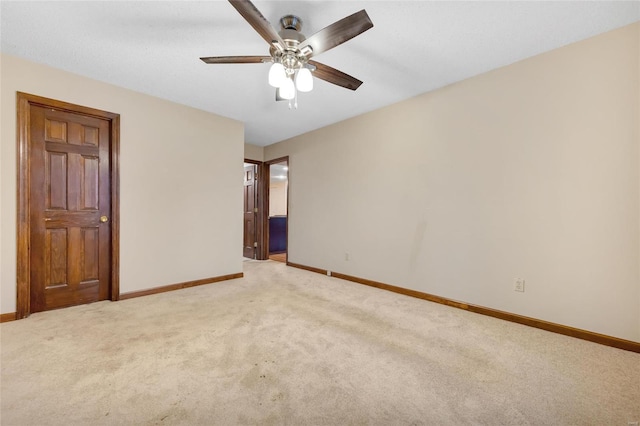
277	76
287	90
304	80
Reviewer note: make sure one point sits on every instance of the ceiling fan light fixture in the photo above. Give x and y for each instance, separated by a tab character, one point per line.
291	52
277	75
287	90
304	80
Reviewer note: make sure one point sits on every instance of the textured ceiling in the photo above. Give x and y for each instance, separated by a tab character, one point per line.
414	47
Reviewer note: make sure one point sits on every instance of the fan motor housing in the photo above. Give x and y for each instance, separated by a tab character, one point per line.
290	31
291	22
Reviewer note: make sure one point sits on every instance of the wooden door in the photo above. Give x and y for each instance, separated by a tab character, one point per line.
250	211
69	208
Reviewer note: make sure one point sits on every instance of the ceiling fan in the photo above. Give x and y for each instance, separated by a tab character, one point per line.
291	51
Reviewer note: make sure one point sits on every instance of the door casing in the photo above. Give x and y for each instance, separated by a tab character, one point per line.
24	102
265	215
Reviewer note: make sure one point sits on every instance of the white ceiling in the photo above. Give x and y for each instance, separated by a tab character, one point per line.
414	47
278	172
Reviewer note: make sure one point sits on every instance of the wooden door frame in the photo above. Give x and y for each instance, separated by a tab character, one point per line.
262	252
24	103
267	179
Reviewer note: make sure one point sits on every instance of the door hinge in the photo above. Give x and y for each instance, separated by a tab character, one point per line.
255	244
255	210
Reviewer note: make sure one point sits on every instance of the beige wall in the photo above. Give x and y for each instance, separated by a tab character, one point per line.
527	171
253	152
278	198
180	212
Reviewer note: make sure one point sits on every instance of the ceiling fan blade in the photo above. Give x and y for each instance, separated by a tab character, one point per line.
259	23
334	76
337	33
236	59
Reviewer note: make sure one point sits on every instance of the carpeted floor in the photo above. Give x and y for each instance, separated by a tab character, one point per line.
286	346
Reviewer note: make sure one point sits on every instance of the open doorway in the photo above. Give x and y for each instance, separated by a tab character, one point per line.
250	211
266	204
278	208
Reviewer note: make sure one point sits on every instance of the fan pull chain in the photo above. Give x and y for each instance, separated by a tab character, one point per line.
293	103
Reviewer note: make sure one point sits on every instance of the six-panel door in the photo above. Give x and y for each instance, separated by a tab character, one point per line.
70	208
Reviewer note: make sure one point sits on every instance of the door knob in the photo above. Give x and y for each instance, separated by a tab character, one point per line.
104	219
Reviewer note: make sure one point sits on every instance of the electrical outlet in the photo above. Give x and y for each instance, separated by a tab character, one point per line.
518	284
328	273
346	256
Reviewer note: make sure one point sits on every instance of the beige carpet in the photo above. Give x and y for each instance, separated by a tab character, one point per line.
286	346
